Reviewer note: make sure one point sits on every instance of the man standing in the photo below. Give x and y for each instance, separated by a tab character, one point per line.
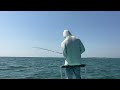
72	49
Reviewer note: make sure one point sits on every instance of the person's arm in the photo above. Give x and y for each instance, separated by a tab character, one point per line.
64	49
82	47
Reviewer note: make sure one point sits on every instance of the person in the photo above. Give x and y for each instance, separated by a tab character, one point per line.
72	48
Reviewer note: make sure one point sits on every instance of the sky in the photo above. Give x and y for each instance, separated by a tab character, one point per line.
21	30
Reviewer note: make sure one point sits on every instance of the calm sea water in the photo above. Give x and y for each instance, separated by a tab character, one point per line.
49	68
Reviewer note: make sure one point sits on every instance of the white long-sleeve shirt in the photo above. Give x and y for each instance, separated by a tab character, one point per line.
72	49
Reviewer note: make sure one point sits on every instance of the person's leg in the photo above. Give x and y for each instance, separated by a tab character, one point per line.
76	71
69	73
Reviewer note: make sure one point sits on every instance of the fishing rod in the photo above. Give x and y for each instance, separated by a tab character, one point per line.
47	50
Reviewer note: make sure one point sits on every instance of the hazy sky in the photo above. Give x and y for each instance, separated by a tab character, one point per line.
21	30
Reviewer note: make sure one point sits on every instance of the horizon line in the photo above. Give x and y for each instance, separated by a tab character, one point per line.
56	57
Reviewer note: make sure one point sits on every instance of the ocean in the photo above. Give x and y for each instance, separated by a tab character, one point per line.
49	68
